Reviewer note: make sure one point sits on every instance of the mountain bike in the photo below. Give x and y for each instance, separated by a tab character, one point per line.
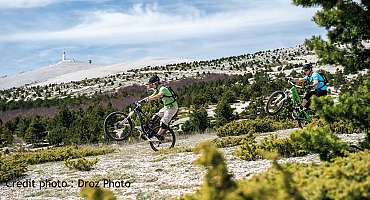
293	100
119	126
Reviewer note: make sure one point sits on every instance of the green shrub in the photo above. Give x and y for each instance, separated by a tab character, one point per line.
176	150
231	140
6	137
352	107
299	143
198	121
344	127
259	125
60	154
10	168
248	151
97	193
337	126
218	183
223	112
345	178
81	164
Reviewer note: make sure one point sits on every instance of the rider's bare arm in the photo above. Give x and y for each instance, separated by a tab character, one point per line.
155	97
298	80
315	83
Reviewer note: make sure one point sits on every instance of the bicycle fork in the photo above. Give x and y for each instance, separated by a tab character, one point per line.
280	101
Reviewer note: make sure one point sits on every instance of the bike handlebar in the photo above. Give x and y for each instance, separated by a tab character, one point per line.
291	83
138	103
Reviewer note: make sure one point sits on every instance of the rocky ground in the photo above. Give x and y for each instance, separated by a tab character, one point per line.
151	175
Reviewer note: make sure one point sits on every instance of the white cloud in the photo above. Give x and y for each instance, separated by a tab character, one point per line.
145	23
4	4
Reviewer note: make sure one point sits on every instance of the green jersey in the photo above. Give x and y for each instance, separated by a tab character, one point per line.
168	99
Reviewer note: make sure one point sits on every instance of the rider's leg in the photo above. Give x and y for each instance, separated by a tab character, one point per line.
307	99
169	113
162	129
322	93
155	118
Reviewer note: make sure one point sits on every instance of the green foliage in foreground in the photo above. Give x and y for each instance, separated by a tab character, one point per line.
13	166
345	178
81	164
97	193
299	143
258	125
218	183
10	169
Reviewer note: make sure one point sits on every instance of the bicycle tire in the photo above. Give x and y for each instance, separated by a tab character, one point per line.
169	134
109	133
271	98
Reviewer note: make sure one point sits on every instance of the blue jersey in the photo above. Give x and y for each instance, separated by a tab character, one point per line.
316	76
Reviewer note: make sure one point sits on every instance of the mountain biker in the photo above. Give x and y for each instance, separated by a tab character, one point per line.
170	107
315	82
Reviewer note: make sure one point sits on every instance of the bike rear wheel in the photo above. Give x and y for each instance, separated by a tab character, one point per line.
168	142
275	102
118	126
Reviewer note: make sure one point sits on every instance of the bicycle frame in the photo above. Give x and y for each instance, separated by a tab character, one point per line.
297	100
137	110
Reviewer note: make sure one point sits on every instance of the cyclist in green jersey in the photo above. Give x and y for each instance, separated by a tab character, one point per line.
168	98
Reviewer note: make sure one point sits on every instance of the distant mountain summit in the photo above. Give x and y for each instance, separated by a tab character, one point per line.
68	70
44	73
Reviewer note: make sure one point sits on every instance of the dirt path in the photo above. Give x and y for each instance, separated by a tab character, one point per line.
152	176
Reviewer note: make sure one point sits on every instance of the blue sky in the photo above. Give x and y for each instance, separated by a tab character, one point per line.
34	33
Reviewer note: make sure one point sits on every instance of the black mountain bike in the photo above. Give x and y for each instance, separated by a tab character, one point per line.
118	126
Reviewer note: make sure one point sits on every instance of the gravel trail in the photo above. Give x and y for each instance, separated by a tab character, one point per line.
151	175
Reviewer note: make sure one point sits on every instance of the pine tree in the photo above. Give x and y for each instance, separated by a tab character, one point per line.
348	26
353	107
224	112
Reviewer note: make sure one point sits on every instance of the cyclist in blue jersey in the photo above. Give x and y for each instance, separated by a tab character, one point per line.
316	82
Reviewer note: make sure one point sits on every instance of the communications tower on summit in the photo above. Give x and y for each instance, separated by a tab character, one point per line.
64	56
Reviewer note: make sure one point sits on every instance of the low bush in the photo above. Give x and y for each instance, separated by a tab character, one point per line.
345	178
344	127
259	125
95	193
299	143
231	141
176	150
81	164
10	168
338	126
218	183
60	154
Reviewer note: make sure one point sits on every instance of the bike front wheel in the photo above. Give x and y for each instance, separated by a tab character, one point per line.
168	142
118	126
275	102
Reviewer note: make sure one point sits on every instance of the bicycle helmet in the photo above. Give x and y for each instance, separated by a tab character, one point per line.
154	79
307	66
